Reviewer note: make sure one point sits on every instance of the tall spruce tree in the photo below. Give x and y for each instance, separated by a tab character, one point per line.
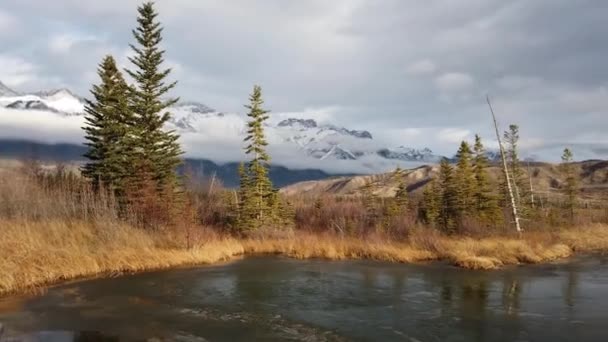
449	214
401	195
262	201
465	180
431	202
486	206
517	174
158	153
371	202
570	187
245	207
107	124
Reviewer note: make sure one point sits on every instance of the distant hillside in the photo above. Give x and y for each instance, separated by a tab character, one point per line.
227	173
546	180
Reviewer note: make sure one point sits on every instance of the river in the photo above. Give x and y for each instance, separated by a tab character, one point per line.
274	298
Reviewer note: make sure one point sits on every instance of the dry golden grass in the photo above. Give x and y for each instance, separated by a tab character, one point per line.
326	246
38	253
35	253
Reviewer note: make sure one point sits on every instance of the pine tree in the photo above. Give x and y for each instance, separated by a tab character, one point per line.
158	151
516	172
570	187
465	180
431	201
245	207
448	208
287	213
390	211
485	203
261	187
107	120
370	203
263	201
401	196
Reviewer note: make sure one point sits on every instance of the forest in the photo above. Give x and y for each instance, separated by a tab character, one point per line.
128	208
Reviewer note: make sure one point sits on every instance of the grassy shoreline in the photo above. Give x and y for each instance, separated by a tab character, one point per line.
35	254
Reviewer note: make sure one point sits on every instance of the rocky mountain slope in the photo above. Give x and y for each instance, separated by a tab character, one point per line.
323	144
546	180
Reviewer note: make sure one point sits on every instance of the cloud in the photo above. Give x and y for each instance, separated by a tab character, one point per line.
64	42
541	61
40	126
8	23
422	67
16	71
453	135
587	101
454	82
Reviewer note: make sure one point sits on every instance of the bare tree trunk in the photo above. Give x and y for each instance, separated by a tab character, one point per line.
505	169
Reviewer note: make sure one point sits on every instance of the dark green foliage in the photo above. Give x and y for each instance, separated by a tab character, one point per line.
465	180
260	187
108	121
570	187
449	214
401	195
518	179
260	202
431	202
158	150
485	202
371	203
245	206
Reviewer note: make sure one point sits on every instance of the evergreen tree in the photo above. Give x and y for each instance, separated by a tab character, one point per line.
515	170
431	202
107	120
401	195
484	200
262	203
261	187
448	208
390	211
245	206
287	213
570	187
465	180
370	203
158	151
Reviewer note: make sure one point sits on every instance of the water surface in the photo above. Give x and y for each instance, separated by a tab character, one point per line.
272	298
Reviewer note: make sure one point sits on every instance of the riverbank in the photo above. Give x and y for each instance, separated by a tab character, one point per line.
34	254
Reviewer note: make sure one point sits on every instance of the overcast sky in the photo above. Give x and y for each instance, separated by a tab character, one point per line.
414	73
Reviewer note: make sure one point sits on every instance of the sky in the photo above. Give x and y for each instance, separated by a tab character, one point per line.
414	73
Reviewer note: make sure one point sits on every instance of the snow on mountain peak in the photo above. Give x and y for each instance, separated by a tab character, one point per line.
194	107
293	122
212	134
58	101
63	100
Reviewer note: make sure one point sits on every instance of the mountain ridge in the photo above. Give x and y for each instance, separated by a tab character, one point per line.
324	144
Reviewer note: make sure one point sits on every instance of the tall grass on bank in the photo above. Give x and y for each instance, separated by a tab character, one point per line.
54	228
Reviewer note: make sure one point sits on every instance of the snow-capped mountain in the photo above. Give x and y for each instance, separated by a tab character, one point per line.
308	141
61	101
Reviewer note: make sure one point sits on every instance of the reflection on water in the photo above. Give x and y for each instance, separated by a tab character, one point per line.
283	299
